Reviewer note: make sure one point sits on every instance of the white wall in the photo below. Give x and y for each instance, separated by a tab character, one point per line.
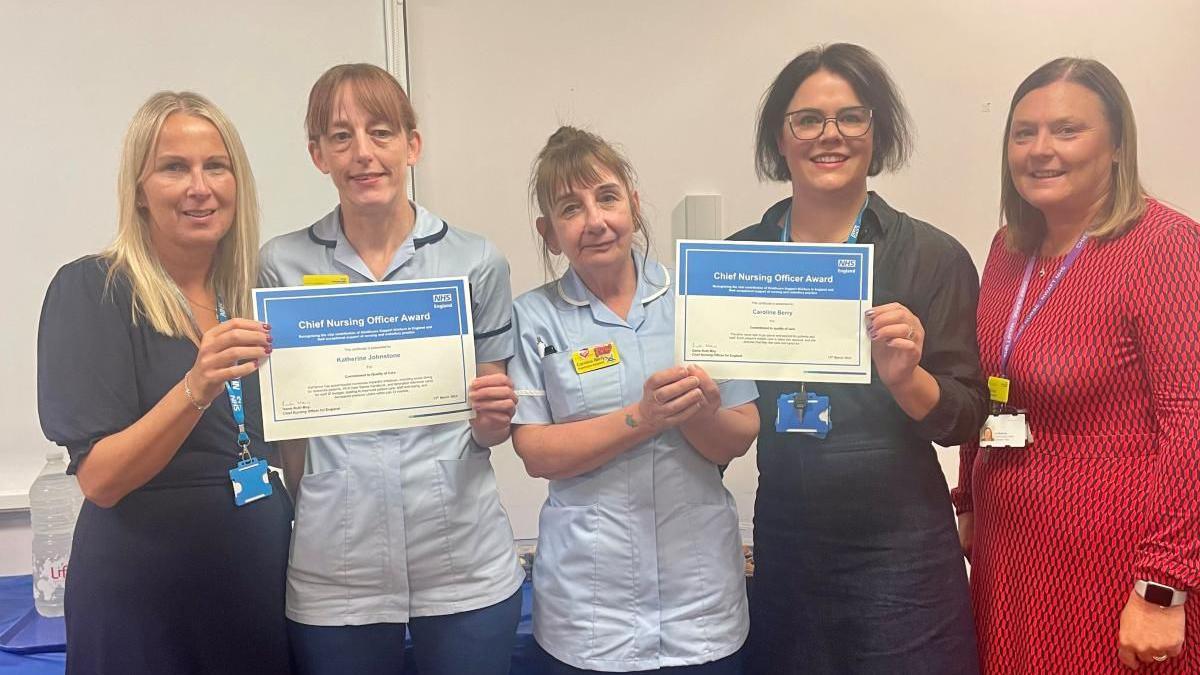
16	541
676	82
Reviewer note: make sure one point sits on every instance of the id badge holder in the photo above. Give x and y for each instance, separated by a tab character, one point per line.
251	481
1005	427
810	416
1006	430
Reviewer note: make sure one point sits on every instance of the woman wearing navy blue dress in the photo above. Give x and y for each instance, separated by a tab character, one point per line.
167	574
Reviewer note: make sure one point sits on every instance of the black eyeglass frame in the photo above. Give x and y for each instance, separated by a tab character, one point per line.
826	120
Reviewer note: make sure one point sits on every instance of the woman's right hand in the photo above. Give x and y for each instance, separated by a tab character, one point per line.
229	350
670	397
966	533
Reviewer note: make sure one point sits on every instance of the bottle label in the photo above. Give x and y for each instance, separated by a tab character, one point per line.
51	578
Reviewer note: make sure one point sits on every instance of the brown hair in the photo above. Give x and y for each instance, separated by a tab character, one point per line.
893	140
372	87
1126	199
572	157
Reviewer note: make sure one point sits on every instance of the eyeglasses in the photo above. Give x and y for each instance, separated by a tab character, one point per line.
807	124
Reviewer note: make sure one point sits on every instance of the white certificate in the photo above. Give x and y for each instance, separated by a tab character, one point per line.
365	357
767	311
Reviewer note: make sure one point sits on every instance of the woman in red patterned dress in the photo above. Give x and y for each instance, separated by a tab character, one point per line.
1084	537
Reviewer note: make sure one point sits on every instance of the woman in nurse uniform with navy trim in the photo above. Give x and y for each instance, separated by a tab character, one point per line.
639	564
399	530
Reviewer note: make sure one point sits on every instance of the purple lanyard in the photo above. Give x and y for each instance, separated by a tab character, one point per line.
1012	333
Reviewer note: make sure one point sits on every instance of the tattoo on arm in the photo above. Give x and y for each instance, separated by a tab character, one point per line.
630	421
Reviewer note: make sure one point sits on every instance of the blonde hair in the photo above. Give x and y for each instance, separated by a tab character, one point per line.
572	158
1126	198
156	297
372	88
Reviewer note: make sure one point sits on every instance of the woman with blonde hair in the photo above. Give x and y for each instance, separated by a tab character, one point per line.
146	375
1082	532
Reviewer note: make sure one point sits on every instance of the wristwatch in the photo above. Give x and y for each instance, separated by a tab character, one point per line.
1158	594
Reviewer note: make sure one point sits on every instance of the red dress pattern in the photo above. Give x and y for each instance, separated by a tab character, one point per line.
1109	371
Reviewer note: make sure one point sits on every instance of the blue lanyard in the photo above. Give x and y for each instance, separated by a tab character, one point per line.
1013	332
234	389
854	230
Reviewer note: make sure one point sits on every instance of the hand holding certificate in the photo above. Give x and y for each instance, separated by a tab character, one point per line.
366	357
765	311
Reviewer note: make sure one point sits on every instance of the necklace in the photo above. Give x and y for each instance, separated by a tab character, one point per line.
193	302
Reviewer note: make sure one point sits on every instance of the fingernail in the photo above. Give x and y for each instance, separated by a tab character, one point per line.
871	333
269	349
270	339
870	312
266	326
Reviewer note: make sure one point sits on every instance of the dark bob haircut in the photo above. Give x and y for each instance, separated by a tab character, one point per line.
866	75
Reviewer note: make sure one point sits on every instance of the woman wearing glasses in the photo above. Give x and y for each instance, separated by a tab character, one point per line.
857	562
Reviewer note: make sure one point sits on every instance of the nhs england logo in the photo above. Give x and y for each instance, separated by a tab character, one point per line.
442	297
847	263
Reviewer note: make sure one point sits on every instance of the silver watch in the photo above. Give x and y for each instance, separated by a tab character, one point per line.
1158	594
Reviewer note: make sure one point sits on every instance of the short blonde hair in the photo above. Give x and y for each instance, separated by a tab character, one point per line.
156	297
372	88
1126	198
571	158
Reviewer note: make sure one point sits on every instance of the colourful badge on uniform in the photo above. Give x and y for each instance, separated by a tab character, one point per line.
594	358
998	388
325	279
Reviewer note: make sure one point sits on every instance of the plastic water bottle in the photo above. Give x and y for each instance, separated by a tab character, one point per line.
54	501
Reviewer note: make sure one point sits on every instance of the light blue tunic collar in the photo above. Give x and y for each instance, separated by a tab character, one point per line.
427	229
653	281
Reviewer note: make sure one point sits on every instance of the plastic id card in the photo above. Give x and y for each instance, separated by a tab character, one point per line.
810	418
251	481
1005	431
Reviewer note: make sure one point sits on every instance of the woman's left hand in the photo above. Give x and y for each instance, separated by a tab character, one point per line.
1149	631
494	401
897	341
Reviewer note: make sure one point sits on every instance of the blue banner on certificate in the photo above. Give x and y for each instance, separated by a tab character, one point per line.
365	357
774	311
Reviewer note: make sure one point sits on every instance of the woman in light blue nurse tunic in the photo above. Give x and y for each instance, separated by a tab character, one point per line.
401	530
639	564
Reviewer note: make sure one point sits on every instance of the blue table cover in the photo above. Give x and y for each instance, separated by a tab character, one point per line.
16	600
